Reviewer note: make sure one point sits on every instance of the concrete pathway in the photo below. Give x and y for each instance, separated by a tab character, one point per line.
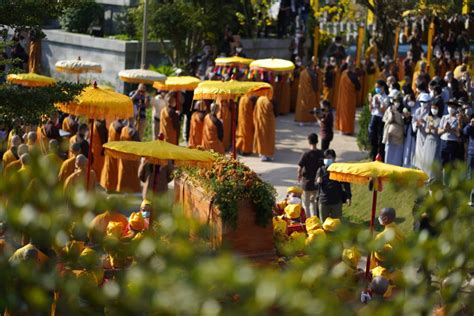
291	142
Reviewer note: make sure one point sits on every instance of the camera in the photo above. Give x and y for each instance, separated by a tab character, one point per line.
316	111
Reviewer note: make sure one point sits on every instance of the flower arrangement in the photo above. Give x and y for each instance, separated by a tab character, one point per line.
230	181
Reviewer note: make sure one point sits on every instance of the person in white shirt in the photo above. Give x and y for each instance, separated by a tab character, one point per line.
158	103
377	105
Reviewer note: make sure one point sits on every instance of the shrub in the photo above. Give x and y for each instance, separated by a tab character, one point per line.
82	16
363	136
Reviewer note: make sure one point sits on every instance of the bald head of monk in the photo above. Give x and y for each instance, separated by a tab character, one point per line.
16	141
25	160
75	149
53	146
31	138
214	108
22	149
81	162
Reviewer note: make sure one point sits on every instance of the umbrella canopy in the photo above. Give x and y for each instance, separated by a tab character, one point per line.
77	66
272	64
177	83
158	152
363	172
31	80
233	61
99	104
228	90
141	76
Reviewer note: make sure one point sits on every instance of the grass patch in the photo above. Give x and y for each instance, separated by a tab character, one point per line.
402	199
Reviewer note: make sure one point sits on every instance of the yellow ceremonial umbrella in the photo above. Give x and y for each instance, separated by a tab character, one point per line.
376	172
230	90
272	67
177	83
232	65
158	152
141	76
99	104
31	80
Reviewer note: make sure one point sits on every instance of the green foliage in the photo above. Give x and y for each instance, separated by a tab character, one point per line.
363	135
171	274
186	24
230	181
164	69
26	13
81	17
25	106
125	24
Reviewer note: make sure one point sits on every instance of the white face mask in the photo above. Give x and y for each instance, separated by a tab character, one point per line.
294	200
451	110
434	111
380	220
238	49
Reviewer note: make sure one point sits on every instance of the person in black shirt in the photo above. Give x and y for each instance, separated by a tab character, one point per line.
331	193
326	122
308	166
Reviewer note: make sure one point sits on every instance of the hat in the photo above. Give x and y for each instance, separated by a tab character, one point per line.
424	97
294	189
312	223
316	234
293	211
136	221
145	203
351	257
114	229
331	224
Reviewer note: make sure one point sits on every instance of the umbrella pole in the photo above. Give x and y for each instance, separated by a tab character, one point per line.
234	118
89	160
372	224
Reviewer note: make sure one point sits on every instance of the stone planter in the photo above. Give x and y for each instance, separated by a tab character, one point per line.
247	239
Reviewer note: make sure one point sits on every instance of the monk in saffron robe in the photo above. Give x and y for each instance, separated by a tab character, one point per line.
197	124
264	122
16	164
328	82
79	177
295	83
99	138
127	180
109	176
245	128
213	131
12	154
225	116
70	124
308	95
371	74
69	165
345	115
169	120
285	98
52	157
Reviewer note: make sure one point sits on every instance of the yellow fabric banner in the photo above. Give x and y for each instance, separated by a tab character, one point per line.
465	7
360	44
395	48
370	14
431	32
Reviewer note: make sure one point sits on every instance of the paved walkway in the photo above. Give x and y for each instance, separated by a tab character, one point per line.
291	142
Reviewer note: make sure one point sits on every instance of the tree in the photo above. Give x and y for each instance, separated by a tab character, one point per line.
82	16
186	24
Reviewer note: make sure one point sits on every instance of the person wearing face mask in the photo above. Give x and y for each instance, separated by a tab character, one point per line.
239	51
450	132
432	141
377	106
391	235
337	50
308	166
436	96
409	143
418	123
293	196
421	76
332	194
393	135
